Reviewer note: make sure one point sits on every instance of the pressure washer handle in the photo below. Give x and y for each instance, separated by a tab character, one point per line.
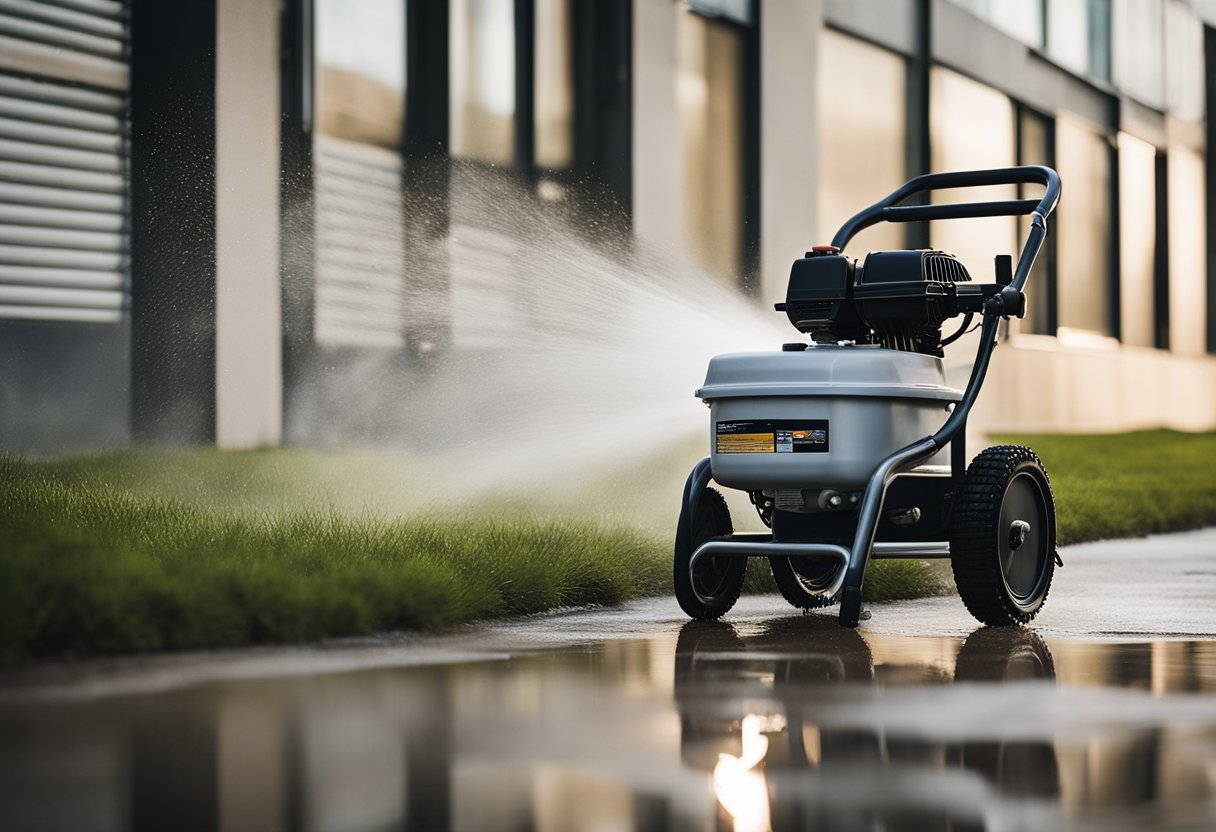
889	209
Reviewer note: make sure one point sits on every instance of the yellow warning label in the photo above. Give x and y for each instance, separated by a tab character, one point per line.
746	443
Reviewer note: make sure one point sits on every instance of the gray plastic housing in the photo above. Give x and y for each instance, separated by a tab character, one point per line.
874	400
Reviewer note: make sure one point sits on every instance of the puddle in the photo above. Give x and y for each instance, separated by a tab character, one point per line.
791	723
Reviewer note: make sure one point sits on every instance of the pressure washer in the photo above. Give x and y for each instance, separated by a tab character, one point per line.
851	446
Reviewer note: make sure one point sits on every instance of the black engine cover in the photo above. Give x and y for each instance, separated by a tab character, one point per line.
818	300
898	299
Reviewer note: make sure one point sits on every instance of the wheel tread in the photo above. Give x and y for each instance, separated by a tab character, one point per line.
973	534
792	590
713	501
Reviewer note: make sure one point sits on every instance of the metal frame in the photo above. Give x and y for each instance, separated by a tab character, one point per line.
297	252
856	557
1209	96
1161	255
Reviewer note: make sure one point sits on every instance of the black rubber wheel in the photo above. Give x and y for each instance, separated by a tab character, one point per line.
802	581
1008	654
712	586
1003	536
1017	768
709	723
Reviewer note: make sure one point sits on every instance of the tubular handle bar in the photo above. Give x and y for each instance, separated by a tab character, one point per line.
889	210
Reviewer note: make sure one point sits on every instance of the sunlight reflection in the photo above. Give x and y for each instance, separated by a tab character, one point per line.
741	790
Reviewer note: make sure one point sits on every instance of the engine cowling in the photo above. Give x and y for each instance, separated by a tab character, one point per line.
897	299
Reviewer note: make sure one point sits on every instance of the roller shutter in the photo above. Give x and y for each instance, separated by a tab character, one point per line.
360	244
479	258
487	310
63	160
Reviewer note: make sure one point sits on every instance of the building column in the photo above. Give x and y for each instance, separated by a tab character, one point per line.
248	343
789	138
658	188
206	360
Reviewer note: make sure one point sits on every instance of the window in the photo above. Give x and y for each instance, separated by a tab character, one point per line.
861	134
1036	146
1187	252
554	81
1184	62
1078	35
1137	240
1021	19
361	70
1136	55
710	95
1083	238
1099	39
482	109
356	163
971	126
1068	34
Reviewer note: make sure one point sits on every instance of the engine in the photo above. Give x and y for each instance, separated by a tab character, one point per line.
896	299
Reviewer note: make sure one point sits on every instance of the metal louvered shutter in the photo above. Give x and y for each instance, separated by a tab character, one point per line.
478	257
360	244
63	162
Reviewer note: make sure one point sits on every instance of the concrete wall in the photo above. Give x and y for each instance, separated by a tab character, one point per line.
64	387
1083	384
248	359
658	165
789	139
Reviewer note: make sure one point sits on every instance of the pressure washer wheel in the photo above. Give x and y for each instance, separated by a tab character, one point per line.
803	581
1003	536
712	586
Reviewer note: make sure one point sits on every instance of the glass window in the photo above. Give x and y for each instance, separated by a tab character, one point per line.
1084	226
709	93
861	134
482	67
1099	39
1136	53
1022	20
1184	63
1019	18
1137	239
739	11
1035	148
971	126
1187	252
554	85
1068	34
361	70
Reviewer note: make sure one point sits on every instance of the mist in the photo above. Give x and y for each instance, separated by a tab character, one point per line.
571	345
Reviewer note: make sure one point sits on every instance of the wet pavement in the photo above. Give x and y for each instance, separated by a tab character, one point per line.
1102	717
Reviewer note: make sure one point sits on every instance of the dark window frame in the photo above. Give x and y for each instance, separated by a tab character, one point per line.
1048	256
1161	257
1209	50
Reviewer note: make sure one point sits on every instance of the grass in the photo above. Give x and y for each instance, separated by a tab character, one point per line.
89	569
169	550
165	550
187	549
1128	485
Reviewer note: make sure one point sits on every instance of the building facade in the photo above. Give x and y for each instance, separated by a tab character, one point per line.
210	209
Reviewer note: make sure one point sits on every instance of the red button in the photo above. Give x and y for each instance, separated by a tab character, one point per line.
832	249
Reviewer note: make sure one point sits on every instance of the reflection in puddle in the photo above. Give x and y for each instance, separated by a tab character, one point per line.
835	761
786	725
739	786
